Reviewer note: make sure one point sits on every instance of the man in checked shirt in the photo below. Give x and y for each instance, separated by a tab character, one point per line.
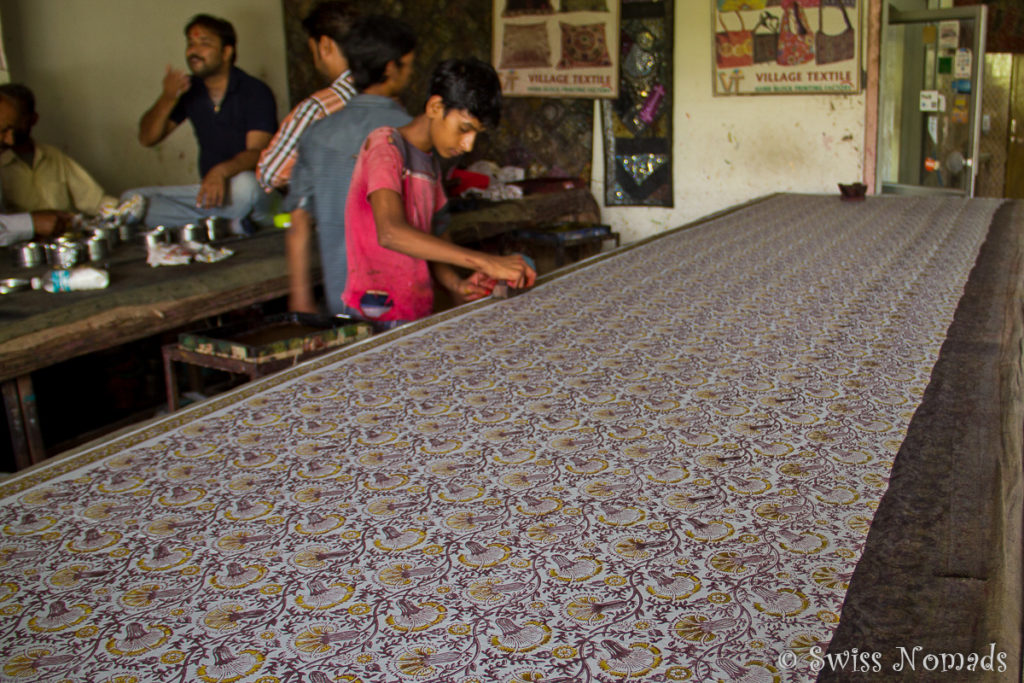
326	26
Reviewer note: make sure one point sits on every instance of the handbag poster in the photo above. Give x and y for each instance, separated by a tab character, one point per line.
557	48
773	47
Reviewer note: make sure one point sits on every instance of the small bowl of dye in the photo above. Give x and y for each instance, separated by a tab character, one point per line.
852	192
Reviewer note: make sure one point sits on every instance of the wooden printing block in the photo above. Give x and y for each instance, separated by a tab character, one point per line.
503	291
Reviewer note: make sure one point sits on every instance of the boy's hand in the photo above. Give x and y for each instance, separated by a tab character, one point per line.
476	286
511	269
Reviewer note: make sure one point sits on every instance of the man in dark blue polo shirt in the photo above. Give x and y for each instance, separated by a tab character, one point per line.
233	116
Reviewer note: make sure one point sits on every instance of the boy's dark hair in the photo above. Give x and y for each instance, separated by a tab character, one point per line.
222	27
471	85
20	96
332	19
371	43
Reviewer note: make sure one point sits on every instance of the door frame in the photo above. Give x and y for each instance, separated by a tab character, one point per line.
1013	174
979	13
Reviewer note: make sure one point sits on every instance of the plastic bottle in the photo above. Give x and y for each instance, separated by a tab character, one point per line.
72	279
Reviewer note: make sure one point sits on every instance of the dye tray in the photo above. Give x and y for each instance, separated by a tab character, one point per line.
275	337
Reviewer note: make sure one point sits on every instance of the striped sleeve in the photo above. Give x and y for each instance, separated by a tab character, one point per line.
276	162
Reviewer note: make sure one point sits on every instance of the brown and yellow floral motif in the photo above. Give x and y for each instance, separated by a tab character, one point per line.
678	490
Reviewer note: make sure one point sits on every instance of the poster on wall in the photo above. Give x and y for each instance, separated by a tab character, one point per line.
557	48
773	47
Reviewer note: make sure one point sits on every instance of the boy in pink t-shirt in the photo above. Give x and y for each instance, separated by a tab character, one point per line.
396	190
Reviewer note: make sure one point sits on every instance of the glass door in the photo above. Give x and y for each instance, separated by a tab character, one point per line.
930	100
1015	152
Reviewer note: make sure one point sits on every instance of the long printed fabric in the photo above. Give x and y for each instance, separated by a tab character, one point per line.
661	466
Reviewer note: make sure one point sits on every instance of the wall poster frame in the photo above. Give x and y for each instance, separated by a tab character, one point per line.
777	47
557	48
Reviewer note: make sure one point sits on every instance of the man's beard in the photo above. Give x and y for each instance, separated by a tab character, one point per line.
201	68
21	138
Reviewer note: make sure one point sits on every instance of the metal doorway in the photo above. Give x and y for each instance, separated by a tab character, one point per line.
929	100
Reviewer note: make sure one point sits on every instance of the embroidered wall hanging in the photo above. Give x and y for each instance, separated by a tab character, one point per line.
772	47
637	126
556	49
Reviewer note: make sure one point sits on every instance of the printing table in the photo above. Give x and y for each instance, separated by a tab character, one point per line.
790	429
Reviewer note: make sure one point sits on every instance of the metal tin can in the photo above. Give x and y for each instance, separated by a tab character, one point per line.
157	235
97	247
66	254
30	254
216	228
108	234
192	232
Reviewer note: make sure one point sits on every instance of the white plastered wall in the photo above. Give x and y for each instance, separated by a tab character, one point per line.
728	150
96	65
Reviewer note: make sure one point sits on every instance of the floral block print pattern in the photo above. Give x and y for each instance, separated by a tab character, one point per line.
660	466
